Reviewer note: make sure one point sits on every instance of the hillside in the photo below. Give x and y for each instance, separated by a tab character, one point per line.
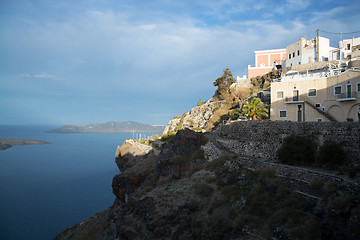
109	127
211	186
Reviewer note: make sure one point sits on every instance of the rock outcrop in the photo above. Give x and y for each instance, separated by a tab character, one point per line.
185	145
197	118
130	153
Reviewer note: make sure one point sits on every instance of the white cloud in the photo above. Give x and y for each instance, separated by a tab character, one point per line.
40	76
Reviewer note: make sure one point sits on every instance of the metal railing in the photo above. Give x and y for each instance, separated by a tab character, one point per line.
293	99
347	95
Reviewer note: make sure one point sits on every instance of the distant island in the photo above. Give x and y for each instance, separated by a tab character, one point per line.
7	143
109	127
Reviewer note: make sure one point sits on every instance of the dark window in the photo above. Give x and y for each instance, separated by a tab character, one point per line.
293	54
289	55
282	113
298	52
319	120
358	87
317	105
312	92
337	90
347	46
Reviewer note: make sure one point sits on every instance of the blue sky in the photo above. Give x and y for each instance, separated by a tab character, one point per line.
80	62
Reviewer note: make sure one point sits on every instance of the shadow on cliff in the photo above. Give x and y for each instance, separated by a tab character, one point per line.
143	167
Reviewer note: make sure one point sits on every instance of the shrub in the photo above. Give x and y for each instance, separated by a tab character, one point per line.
297	150
204	140
190	121
329	187
267	173
202	189
337	203
317	182
235	114
217	162
331	154
200	154
197	129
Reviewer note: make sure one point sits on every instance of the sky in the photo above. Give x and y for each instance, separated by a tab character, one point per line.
94	61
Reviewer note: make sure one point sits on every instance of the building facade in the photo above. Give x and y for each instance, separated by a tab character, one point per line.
308	51
265	61
323	94
346	49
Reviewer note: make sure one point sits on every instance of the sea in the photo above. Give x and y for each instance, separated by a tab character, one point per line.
49	187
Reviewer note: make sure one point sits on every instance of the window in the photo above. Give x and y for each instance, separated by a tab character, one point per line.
289	55
318	105
282	113
293	54
298	52
319	119
347	46
280	94
326	59
312	92
296	95
358	87
348	91
337	90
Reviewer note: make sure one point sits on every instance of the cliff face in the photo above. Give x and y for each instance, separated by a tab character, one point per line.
209	187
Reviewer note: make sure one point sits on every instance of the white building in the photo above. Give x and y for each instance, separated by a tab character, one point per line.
345	49
308	51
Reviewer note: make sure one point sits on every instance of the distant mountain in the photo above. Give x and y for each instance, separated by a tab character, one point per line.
109	127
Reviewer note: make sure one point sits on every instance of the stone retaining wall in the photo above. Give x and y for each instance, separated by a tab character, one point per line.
263	139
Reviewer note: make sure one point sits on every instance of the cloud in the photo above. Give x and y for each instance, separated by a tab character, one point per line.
40	76
157	54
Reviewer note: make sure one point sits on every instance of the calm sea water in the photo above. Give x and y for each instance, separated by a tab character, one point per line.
46	188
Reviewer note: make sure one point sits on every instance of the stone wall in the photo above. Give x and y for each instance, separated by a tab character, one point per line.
263	139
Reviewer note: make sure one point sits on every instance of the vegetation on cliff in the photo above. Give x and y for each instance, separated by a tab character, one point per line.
226	105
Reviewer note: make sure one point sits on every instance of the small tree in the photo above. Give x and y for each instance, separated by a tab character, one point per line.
331	154
297	150
255	109
223	83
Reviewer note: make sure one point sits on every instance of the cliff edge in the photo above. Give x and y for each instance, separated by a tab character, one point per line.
209	186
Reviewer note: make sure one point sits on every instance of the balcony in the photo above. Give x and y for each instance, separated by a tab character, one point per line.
295	99
349	96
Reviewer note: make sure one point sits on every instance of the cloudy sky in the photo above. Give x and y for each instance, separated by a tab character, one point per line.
92	61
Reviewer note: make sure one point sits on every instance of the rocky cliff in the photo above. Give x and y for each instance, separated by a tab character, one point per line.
208	186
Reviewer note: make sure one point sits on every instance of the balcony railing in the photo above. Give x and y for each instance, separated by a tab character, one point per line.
349	96
294	99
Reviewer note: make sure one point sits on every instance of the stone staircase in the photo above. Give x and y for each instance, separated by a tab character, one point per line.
327	115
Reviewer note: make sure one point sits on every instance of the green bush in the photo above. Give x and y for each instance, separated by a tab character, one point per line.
297	150
217	162
202	189
338	203
329	187
317	182
235	114
331	155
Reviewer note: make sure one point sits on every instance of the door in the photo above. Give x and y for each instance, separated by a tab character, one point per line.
299	113
348	91
296	95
